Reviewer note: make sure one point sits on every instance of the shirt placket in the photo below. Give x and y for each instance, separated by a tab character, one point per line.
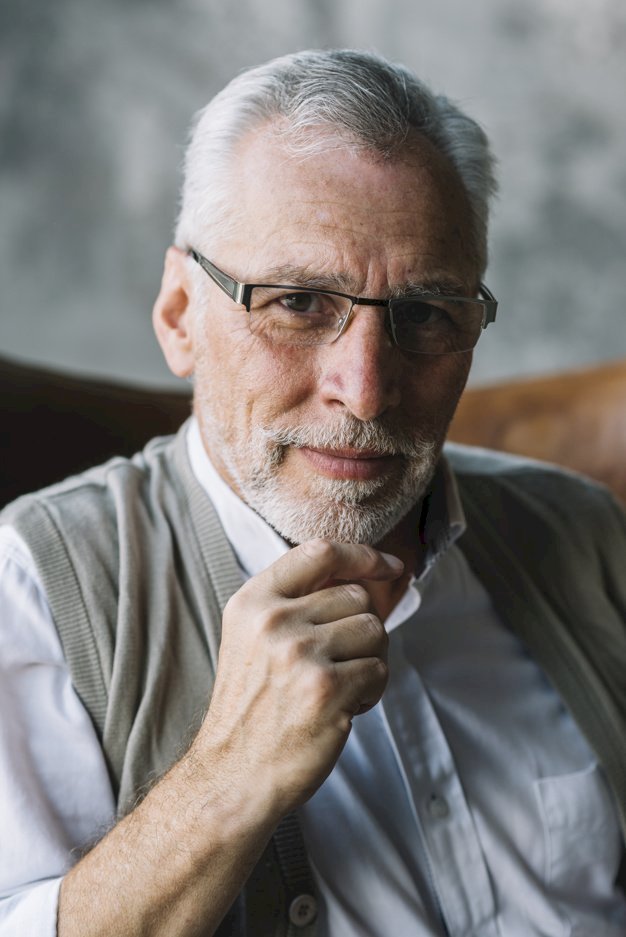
453	857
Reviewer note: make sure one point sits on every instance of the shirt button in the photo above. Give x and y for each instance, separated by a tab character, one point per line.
438	808
303	910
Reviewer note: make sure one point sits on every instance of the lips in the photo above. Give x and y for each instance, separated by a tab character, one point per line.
357	464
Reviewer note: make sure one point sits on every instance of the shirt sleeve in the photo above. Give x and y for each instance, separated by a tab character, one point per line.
55	795
33	911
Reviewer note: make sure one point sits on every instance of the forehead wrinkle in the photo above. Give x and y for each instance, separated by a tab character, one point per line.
327	201
329	272
324	219
293	275
343	246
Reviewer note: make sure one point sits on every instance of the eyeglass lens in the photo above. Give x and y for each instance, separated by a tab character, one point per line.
301	317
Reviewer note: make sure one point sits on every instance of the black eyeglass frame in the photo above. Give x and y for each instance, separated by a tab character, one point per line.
241	293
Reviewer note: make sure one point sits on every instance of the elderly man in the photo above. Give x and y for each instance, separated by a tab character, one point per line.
294	671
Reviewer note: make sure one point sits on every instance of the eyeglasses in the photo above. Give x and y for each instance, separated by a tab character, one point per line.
426	323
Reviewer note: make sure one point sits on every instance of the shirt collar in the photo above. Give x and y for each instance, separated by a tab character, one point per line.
256	545
443	520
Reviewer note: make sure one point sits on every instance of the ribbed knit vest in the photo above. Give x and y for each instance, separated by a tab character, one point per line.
137	570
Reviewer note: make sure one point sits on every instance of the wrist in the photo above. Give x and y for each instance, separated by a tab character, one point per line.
243	794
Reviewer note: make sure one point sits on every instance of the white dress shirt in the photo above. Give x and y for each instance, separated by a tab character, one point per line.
466	803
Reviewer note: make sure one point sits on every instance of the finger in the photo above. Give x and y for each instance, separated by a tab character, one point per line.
359	636
361	683
311	565
331	603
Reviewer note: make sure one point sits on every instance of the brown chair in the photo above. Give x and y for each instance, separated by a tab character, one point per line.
53	425
575	418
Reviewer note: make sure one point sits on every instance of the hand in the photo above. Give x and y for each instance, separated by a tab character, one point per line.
302	653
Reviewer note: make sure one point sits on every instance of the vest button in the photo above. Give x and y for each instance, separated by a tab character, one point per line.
303	910
438	808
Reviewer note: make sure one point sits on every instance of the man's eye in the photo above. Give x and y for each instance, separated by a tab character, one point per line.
308	303
418	313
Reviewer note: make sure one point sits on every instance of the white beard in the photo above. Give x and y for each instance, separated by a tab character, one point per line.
345	510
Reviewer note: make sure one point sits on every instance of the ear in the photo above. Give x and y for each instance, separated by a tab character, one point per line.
172	318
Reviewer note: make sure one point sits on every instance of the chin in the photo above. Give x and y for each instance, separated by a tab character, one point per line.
340	510
306	504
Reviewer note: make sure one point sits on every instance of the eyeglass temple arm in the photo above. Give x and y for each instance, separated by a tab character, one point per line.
491	304
240	293
231	287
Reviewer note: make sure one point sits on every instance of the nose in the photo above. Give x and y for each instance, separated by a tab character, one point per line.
362	369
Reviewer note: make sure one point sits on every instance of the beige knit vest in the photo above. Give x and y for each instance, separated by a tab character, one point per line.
137	570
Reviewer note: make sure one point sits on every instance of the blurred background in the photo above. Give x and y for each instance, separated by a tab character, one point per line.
97	97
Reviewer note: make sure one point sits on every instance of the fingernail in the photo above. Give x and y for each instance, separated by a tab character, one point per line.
392	561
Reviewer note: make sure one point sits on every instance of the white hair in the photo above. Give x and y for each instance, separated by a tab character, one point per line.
361	98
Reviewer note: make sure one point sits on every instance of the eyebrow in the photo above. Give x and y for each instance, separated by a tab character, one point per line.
443	286
290	275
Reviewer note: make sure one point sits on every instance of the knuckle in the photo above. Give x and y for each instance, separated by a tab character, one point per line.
343	722
319	687
248	597
290	653
376	628
269	619
382	668
380	671
373	623
319	549
238	599
357	594
374	677
369	553
375	670
237	611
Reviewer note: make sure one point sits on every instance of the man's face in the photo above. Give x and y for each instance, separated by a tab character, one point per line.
340	440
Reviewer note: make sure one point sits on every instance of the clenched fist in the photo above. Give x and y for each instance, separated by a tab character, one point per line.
302	653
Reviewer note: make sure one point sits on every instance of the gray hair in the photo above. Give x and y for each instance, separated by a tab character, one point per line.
364	100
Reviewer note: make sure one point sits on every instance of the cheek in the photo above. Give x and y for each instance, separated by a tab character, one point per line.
247	382
219	385
434	388
280	384
454	370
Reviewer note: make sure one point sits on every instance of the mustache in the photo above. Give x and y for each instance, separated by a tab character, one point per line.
353	434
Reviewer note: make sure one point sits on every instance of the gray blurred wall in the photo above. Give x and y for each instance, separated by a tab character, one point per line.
96	97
